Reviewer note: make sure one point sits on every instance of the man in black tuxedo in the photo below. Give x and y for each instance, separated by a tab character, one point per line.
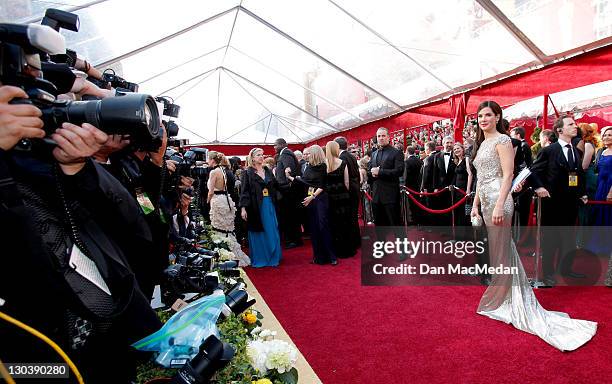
428	165
522	159
427	178
443	175
289	209
558	178
412	180
385	169
353	171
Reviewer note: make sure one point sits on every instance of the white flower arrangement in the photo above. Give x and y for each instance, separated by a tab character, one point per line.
225	255
266	334
218	239
271	355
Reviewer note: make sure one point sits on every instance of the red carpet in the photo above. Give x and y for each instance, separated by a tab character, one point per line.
354	334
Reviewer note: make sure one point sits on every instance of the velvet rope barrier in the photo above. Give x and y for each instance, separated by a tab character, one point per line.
437	211
426	193
599	202
460	190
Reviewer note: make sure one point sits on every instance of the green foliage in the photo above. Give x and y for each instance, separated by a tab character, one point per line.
535	136
233	331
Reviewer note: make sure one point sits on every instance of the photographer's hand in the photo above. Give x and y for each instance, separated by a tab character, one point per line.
171	166
186	182
113	144
17	121
75	144
85	87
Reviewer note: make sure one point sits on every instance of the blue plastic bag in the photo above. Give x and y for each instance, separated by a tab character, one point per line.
179	339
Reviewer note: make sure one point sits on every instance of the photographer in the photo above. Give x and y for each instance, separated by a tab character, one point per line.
143	173
181	230
61	212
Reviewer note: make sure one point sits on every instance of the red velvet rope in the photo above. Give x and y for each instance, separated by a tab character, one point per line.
432	193
599	202
438	211
425	193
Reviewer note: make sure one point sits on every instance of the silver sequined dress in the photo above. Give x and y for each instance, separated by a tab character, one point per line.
510	298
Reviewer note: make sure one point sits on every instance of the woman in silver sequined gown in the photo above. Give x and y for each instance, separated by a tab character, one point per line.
510	298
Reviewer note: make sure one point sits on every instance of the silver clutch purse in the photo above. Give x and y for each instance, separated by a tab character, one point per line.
476	221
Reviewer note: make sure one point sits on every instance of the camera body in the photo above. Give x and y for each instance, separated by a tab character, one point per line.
21	48
117	81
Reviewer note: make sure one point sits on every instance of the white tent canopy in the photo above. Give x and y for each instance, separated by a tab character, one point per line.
255	70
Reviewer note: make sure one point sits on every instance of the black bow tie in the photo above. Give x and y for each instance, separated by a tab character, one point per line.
447	154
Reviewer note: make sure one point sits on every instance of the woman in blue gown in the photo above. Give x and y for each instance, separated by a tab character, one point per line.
258	188
603	213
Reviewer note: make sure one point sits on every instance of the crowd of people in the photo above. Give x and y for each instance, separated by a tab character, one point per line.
311	194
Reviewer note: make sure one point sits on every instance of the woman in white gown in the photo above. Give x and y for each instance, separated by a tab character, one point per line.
222	207
510	297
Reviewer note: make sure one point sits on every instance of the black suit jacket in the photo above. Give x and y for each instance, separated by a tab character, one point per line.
441	176
286	159
353	171
412	172
551	171
526	154
385	187
427	173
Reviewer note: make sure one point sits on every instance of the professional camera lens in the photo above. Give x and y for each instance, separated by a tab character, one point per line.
213	355
133	114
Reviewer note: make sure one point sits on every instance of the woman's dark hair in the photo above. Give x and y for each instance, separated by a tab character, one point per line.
499	126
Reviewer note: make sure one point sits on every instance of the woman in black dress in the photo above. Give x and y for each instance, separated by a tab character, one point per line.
339	201
317	203
463	179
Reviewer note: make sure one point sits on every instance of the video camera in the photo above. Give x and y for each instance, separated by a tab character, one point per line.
195	272
21	49
118	82
186	164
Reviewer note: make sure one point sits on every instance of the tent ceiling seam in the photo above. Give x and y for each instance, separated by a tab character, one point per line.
268	129
390	44
295	125
247	127
209	72
332	128
229	40
517	33
182	64
314	53
218	102
302	141
249	93
298	84
197	134
166	38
